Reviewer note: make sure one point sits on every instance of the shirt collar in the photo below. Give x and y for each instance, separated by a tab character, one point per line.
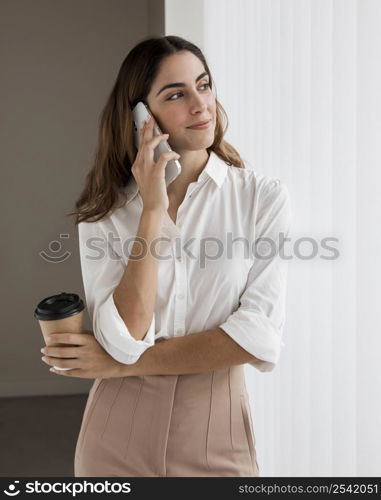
215	168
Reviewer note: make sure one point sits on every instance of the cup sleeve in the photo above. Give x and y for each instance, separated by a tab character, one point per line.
257	324
102	269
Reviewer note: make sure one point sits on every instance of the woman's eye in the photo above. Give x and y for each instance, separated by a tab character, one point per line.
177	93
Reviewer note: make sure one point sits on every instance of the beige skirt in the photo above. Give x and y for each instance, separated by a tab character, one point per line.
192	425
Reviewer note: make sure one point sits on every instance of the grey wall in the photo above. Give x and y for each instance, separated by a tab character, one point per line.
58	63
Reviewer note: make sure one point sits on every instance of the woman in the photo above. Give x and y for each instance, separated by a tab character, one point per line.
173	327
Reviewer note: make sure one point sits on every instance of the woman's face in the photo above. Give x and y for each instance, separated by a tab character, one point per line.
178	107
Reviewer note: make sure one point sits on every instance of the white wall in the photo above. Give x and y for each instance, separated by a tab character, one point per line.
186	19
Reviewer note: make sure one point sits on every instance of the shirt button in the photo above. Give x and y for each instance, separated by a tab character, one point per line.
181	295
178	257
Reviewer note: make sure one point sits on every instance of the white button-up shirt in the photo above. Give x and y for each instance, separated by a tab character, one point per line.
220	265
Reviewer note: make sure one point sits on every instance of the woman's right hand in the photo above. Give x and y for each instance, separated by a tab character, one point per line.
150	176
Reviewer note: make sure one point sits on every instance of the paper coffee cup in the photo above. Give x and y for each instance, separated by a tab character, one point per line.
60	313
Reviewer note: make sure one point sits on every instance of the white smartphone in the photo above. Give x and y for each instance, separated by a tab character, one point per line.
141	113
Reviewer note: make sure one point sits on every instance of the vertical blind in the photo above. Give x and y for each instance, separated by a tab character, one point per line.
300	81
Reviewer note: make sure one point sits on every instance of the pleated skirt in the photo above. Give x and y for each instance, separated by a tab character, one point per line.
192	425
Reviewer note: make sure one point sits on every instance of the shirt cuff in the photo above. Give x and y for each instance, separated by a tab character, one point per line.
112	333
257	335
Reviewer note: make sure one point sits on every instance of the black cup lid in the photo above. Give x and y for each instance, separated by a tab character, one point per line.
59	306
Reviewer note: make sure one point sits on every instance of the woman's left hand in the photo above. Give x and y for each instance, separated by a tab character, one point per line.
83	355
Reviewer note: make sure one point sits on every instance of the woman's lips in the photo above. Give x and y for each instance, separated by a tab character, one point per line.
197	127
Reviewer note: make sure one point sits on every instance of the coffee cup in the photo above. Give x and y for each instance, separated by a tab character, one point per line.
60	313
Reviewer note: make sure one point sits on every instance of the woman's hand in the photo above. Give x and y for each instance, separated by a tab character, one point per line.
83	355
150	176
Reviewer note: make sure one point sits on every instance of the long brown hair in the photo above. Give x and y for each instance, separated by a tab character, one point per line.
116	150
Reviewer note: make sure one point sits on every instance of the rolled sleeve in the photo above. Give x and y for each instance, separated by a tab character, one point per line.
102	269
257	324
